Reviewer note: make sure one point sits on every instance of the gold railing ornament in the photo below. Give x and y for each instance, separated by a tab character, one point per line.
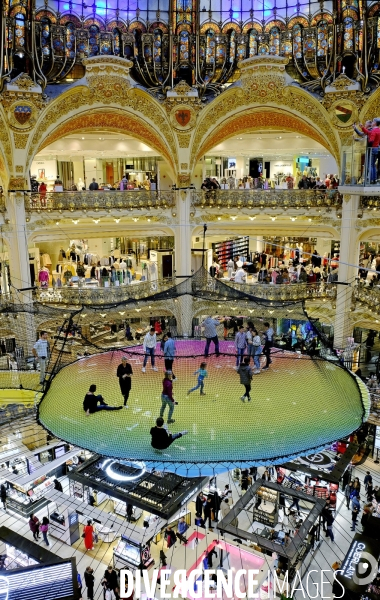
87	200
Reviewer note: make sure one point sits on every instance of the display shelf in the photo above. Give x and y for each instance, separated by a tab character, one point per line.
230	248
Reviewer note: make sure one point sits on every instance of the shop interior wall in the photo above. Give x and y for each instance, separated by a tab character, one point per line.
78	170
48	165
327	164
93	169
165	177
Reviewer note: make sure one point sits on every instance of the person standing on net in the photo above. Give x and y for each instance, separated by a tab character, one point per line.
210	334
167	397
149	345
268	333
169	354
245	373
41	351
240	345
124	373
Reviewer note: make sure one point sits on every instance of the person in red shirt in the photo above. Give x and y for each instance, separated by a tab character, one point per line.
373	137
167	396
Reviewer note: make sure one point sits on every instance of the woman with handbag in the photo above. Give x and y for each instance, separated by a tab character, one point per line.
88	535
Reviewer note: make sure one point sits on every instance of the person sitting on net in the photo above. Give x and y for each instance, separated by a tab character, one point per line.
161	437
92	403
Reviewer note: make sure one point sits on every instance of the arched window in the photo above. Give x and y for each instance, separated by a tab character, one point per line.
274	41
45	37
20	29
157	46
252	43
322	35
232	53
210	47
116	42
93	40
184	46
70	40
348	37
297	41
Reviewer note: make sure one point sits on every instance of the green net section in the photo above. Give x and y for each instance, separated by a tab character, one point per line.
305	400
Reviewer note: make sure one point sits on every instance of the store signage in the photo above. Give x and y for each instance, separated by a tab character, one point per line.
360	564
377	438
50	583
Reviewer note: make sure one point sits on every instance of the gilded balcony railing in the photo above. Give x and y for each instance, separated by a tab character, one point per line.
98	200
2	203
367	295
251	199
102	295
287	292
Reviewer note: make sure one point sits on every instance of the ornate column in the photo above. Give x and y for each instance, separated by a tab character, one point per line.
348	261
182	245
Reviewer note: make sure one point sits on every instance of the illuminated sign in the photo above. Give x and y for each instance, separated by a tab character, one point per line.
50	583
108	467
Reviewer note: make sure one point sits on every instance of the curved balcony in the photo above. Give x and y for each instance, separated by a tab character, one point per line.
99	200
367	295
102	296
276	199
287	292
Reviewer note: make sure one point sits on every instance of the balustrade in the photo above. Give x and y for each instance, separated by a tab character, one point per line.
259	199
99	200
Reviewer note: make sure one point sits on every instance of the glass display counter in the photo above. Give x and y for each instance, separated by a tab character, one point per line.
29	499
128	554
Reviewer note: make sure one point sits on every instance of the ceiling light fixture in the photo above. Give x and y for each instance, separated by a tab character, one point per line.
252	218
233	218
135	219
117	220
96	221
75	221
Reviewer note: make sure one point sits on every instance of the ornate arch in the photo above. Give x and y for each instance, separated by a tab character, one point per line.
260	117
108	90
263	87
106	119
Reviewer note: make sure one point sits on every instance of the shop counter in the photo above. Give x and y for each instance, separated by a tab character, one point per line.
106	534
103	521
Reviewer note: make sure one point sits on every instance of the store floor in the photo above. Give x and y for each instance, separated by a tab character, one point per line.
101	556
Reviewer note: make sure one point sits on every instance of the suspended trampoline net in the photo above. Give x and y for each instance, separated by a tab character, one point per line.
305	400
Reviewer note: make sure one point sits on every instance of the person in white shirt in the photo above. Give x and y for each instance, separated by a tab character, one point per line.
149	345
41	351
240	276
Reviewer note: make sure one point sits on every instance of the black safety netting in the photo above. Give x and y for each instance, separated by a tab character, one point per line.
305	398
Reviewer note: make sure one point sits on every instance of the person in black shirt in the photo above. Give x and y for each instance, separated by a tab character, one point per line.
124	372
161	439
94	185
90	402
110	580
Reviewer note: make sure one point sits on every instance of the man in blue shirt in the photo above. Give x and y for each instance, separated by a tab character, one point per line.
240	345
268	333
181	530
169	354
211	335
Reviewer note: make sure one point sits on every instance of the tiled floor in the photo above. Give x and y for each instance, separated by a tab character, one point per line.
323	558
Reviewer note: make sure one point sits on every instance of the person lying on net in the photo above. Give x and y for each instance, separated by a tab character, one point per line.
92	403
161	437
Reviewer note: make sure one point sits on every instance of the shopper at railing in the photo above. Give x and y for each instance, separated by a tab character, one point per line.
373	141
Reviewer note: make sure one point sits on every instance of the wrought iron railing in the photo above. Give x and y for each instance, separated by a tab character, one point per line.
99	200
102	295
292	291
139	291
266	198
367	295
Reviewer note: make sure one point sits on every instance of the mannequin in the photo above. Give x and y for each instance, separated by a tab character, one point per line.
43	277
230	268
80	184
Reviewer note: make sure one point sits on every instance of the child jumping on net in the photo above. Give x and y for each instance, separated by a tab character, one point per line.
202	374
